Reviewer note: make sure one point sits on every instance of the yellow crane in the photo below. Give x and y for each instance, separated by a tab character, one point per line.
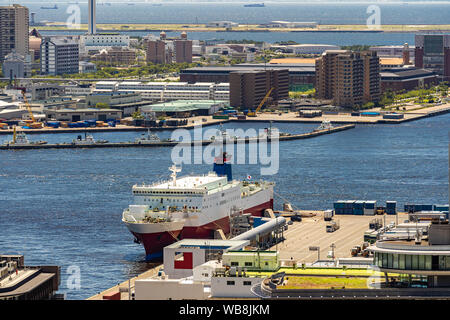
253	114
34	124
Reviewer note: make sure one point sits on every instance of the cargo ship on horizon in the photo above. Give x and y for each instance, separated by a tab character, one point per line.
192	207
255	5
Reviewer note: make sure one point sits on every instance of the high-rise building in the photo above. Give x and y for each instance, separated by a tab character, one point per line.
433	53
248	88
348	78
59	56
14	26
92	29
156	51
183	50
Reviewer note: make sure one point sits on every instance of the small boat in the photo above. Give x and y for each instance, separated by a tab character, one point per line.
147	139
87	140
269	133
21	139
325	125
222	135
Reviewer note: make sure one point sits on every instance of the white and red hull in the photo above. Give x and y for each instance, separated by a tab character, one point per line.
155	240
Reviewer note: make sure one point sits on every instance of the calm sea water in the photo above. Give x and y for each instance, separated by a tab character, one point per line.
64	206
425	12
411	13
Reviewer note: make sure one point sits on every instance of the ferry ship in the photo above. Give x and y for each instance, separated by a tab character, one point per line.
192	207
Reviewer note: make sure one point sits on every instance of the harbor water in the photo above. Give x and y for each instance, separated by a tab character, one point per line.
64	207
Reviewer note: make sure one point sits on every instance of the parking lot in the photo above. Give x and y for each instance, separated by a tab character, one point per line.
311	232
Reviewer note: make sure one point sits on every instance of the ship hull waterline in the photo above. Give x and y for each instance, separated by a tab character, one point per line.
154	243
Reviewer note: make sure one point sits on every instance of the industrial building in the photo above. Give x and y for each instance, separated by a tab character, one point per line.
166	91
14	30
433	53
185	108
74	115
248	88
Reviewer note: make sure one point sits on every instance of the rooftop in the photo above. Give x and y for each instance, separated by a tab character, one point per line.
211	243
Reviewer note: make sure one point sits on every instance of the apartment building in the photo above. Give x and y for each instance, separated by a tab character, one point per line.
348	78
248	88
14	24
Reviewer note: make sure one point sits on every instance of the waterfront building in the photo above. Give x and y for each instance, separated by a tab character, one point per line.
406	79
433	53
248	88
74	115
422	261
59	56
164	91
14	30
184	108
20	282
222	24
348	78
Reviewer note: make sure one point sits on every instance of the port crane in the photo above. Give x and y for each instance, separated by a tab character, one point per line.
253	114
34	124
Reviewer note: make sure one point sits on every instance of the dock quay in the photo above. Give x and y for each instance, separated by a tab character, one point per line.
121	289
415	113
174	143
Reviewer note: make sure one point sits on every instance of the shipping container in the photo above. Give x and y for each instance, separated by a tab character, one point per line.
440	207
358	207
391	207
393	116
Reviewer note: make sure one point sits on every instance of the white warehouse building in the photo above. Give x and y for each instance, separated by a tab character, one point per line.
162	91
97	42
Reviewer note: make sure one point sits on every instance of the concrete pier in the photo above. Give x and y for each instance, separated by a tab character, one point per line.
173	143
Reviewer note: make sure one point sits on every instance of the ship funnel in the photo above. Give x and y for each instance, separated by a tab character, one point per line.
222	168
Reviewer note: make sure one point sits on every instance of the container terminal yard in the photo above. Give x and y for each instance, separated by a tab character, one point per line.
367	117
306	250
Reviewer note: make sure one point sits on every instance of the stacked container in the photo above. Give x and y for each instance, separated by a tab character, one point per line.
339	207
370	207
358	207
391	207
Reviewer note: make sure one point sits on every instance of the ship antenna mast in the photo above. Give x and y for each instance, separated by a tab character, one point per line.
174	170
